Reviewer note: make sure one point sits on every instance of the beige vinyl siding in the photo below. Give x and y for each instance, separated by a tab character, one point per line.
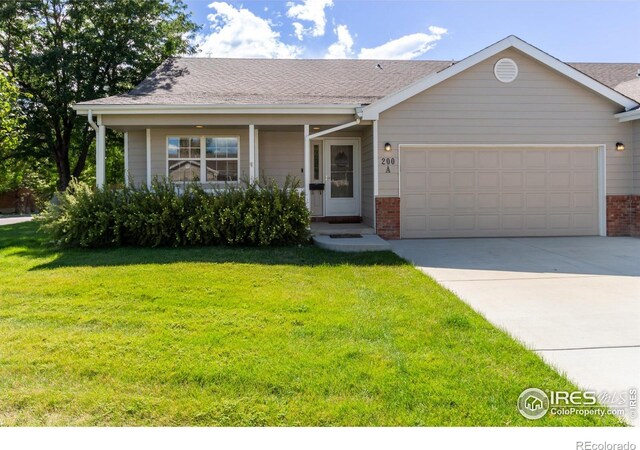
367	177
138	157
539	107
281	153
636	156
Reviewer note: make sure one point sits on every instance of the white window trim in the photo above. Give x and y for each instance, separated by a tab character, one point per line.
203	157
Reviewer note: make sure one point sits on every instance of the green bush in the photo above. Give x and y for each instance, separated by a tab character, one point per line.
163	215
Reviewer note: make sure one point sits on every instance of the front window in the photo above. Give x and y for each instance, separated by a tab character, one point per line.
202	158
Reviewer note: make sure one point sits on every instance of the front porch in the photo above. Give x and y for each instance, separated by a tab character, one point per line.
333	162
347	237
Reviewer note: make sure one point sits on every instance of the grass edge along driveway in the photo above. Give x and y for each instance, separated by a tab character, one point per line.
236	336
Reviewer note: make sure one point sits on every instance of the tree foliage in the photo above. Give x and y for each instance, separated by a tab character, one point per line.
61	52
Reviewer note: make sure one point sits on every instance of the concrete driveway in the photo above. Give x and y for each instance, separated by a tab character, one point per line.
575	301
14	219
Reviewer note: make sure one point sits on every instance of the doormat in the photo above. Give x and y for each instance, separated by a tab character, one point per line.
344	236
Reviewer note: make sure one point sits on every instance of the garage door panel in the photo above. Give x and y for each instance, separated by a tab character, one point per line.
584	160
415	181
440	201
453	192
560	200
535	180
536	222
439	223
512	201
559	159
560	179
464	223
417	160
560	221
415	223
584	200
464	180
439	159
488	180
488	159
536	200
512	179
464	160
583	221
488	201
536	159
583	180
512	159
416	201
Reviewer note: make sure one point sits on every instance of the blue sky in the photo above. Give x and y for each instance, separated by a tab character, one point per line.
575	31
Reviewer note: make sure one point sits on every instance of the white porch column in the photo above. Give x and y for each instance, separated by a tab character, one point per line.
148	157
252	153
375	169
100	154
307	166
257	161
126	158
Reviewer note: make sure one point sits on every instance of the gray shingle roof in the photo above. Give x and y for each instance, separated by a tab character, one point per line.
226	81
273	81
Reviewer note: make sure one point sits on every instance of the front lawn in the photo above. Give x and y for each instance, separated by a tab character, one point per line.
222	336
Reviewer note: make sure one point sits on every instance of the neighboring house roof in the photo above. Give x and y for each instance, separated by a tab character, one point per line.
235	82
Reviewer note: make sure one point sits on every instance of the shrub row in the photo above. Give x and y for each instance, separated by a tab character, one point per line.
163	215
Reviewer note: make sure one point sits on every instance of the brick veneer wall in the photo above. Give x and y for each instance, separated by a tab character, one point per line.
623	215
635	215
388	217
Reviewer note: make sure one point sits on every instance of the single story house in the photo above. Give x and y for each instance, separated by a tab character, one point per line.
507	142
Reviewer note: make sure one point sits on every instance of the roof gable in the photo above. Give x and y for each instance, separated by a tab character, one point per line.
372	111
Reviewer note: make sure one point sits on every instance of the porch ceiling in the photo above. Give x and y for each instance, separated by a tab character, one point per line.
284	128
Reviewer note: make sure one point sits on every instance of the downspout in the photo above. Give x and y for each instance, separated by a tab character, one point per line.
100	157
92	124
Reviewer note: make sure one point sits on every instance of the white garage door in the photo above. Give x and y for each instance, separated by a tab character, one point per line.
488	191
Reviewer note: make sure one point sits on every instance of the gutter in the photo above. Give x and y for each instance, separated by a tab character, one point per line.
218	109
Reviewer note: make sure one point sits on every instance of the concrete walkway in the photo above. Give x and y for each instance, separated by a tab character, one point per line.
575	301
14	219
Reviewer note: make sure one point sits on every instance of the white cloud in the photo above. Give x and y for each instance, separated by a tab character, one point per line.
343	47
239	33
310	11
406	47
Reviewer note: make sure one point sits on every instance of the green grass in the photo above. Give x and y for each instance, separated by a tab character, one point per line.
221	336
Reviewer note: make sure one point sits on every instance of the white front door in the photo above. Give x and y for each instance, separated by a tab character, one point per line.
342	177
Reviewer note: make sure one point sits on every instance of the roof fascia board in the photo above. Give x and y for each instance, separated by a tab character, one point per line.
373	111
215	109
628	115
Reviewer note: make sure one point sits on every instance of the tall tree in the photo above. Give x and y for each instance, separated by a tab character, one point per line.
61	52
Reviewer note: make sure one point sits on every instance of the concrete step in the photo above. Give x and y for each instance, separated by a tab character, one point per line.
325	229
366	243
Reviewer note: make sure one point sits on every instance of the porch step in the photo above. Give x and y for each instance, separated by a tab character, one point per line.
365	243
326	229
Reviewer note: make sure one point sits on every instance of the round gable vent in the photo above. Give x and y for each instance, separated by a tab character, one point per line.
506	70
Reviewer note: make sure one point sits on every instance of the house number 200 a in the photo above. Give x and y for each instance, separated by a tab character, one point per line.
388	162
